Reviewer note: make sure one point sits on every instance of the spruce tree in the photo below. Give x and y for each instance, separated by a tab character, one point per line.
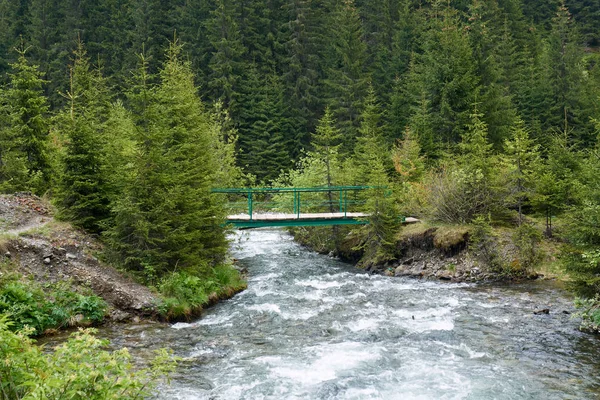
346	81
227	68
27	127
167	218
372	162
82	194
522	161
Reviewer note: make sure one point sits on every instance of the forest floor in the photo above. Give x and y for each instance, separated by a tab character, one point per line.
50	251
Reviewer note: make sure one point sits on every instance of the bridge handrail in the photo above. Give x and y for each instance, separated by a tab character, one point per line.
288	189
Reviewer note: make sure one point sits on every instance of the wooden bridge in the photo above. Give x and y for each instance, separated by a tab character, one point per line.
316	206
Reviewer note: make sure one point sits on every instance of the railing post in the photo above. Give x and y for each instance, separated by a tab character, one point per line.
341	198
345	202
250	204
298	207
295	201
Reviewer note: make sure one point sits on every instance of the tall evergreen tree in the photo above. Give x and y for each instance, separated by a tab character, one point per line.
227	68
82	194
28	122
346	79
444	77
167	218
566	77
262	125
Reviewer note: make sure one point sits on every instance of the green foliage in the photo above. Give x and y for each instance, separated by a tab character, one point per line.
78	369
483	244
589	312
185	295
29	304
467	188
24	158
527	240
166	217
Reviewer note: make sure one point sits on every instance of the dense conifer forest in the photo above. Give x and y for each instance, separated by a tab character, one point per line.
127	112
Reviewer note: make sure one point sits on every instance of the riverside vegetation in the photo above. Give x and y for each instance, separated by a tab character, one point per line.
480	118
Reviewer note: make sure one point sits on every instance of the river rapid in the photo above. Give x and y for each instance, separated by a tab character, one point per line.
312	327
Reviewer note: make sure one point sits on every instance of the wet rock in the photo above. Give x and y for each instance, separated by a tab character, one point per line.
47	260
71	256
542	311
408	261
119	316
7	254
444	275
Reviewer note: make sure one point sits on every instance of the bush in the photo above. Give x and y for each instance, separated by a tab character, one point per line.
527	239
589	312
458	196
484	245
46	307
185	294
78	369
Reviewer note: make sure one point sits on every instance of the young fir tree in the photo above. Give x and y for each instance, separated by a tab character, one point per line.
82	193
372	162
25	161
558	180
580	256
28	119
521	159
167	218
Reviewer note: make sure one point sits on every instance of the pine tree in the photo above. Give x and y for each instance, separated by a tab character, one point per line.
227	68
522	161
82	194
346	79
565	75
167	218
372	161
302	66
484	34
28	123
444	77
262	124
557	182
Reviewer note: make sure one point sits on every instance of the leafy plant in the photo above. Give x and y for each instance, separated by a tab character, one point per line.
77	369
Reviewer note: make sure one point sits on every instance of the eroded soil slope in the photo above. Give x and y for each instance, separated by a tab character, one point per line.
52	251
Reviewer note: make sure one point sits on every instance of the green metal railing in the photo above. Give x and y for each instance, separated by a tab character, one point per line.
329	199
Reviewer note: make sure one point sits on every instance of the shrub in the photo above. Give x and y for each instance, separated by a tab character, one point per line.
77	369
458	196
589	312
527	239
484	245
46	307
185	294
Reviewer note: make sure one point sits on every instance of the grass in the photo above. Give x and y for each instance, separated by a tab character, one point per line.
185	295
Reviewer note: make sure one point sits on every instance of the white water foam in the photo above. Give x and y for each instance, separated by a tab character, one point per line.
325	362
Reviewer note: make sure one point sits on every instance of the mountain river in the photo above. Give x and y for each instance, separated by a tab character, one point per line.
312	327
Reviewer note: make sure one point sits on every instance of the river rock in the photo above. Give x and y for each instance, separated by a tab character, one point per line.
542	311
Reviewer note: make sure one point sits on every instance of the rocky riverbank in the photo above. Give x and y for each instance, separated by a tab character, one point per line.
433	252
50	251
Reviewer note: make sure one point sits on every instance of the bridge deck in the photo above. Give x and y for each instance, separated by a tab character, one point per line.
289	217
261	220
